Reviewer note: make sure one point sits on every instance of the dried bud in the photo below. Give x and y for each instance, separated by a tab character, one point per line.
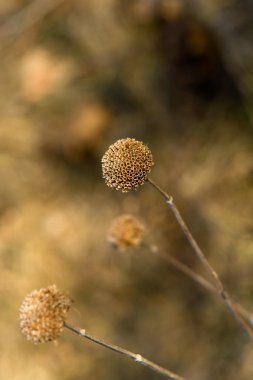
126	164
43	313
125	231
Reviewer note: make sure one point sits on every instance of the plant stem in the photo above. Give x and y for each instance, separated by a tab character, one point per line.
199	253
136	357
184	269
198	279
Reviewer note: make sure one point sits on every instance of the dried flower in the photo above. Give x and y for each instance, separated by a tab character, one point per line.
43	313
125	231
126	164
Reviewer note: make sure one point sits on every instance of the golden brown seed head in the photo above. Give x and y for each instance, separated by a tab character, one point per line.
43	313
125	231
126	164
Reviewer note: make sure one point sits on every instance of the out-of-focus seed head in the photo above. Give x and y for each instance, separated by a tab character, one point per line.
125	231
126	164
43	313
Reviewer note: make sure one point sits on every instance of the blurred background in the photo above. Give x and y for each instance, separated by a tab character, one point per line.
76	76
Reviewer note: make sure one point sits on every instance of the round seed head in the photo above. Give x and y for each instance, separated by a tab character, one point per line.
125	231
43	313
126	164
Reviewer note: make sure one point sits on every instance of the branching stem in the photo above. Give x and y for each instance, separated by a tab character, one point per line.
172	261
200	255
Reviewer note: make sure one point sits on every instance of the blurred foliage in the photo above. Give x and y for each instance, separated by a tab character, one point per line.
76	76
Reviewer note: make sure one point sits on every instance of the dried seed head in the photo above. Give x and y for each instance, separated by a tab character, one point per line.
126	164
125	231
43	313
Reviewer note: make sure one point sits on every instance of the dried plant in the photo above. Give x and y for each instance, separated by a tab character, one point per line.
172	261
126	164
43	316
123	164
125	231
43	313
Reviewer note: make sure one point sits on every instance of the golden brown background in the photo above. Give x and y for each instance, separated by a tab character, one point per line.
75	76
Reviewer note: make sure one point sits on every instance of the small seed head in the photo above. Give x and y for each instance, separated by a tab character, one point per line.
126	164
125	231
43	313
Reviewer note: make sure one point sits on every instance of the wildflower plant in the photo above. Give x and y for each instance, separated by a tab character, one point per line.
125	231
43	313
168	258
126	166
43	316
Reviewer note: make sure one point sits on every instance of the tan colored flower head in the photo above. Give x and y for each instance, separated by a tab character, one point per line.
125	231
126	164
43	313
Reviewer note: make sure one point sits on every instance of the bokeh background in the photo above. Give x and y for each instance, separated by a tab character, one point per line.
75	76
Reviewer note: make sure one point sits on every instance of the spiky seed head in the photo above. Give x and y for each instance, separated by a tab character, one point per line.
43	313
126	164
125	231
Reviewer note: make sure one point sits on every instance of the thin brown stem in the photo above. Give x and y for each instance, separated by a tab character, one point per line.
200	255
136	357
198	279
183	268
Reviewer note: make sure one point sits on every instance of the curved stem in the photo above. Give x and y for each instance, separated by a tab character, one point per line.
136	357
200	255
